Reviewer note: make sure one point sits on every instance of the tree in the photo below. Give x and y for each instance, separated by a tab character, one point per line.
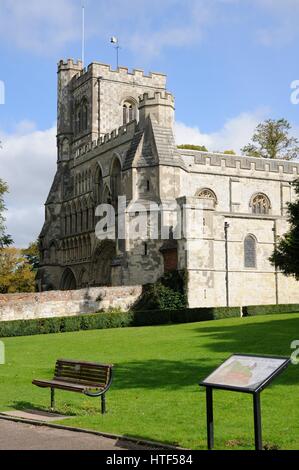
229	152
32	255
272	140
286	253
5	239
200	148
16	274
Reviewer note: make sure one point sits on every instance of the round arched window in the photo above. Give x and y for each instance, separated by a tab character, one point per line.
208	195
260	204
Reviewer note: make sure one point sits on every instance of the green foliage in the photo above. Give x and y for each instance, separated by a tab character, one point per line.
229	152
117	319
254	310
16	274
187	315
200	148
168	293
5	239
272	140
286	253
65	324
32	255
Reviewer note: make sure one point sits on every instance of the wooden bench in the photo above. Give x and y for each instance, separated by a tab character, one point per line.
89	378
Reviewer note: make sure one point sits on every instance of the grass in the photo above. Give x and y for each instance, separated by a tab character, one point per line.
155	393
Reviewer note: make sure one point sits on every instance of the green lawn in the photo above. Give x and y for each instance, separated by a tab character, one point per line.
155	393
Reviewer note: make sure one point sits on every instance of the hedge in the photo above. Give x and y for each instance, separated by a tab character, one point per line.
255	310
117	319
112	320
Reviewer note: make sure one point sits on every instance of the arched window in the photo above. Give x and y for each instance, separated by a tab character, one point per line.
84	216
208	195
52	253
107	196
129	112
260	204
74	219
115	180
84	115
250	252
98	185
81	116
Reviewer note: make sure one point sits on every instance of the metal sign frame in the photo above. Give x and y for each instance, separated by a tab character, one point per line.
254	392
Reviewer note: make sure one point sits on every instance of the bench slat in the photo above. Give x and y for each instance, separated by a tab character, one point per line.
80	376
65	385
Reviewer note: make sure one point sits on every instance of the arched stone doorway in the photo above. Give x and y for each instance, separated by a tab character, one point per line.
68	280
83	279
102	258
169	252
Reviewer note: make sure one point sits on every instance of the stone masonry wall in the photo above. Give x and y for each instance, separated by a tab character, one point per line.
66	303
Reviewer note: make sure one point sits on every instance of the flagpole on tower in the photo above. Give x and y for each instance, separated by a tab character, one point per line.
83	35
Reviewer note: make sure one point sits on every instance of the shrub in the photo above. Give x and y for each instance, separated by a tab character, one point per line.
115	319
168	293
254	310
118	319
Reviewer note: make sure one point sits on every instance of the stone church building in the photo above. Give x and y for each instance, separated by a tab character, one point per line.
115	138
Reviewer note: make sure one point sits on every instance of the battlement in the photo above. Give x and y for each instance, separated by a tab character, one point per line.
114	138
70	64
121	74
156	98
239	162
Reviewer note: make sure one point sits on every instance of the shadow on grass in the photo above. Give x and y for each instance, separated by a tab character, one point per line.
27	406
270	338
161	374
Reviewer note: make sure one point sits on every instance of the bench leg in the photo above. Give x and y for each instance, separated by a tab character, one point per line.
103	404
52	398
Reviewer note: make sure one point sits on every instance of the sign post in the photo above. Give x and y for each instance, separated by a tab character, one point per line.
247	374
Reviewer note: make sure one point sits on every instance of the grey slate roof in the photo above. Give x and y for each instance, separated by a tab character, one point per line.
153	145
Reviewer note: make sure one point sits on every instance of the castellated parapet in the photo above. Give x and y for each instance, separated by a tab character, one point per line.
107	142
105	72
70	64
159	105
241	162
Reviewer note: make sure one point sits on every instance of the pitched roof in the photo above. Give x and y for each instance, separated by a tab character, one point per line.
153	145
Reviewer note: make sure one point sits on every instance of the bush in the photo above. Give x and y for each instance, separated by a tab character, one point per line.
160	317
118	319
168	293
254	310
112	320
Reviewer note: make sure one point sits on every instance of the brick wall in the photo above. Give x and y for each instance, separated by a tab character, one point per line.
66	303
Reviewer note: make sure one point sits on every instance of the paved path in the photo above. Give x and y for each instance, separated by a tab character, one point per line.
20	436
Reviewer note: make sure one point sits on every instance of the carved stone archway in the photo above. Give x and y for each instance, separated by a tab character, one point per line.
68	280
102	258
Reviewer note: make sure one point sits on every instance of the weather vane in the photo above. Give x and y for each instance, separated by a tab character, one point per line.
114	40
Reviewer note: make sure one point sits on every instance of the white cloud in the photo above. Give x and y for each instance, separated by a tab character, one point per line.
27	164
285	28
174	31
146	27
235	133
40	26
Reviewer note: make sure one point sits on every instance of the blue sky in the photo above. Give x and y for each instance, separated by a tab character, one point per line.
229	63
